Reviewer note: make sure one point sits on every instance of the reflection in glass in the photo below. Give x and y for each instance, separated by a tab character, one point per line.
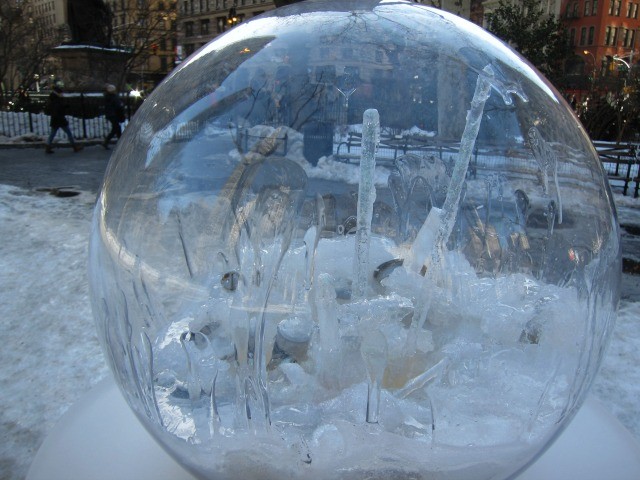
354	240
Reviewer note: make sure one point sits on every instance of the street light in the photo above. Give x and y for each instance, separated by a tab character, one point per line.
624	62
587	52
232	19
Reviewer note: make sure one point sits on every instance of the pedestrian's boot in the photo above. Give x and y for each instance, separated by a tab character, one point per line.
77	148
48	149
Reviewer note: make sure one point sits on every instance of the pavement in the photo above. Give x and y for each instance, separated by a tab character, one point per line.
31	168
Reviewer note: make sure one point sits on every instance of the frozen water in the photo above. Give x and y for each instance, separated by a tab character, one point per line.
473	320
366	199
471	128
45	242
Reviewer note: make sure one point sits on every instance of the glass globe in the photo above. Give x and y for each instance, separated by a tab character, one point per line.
355	240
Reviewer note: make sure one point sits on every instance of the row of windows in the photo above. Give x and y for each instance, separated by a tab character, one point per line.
47	21
140	5
204	28
590	8
632	10
204	25
613	36
189	48
189	7
614	9
584	39
163	44
45	8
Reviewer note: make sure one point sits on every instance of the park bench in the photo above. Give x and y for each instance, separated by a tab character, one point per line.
349	150
245	140
391	147
621	163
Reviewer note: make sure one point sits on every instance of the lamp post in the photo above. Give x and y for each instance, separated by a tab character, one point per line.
232	18
625	63
593	58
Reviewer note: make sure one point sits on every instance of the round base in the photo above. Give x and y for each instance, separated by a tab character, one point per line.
100	438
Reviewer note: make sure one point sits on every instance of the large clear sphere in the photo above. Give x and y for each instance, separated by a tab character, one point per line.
355	240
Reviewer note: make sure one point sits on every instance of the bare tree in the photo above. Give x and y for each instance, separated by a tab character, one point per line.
25	42
141	28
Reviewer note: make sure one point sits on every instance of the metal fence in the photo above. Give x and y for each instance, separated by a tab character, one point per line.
620	161
85	115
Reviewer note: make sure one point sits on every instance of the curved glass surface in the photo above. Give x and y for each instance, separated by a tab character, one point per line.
355	239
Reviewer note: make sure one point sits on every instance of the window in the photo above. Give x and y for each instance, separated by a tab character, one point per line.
587	8
629	7
607	35
591	35
617	9
628	38
614	36
635	11
583	35
575	10
572	37
611	5
204	27
188	29
220	22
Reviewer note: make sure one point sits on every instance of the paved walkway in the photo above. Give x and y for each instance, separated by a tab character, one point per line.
32	168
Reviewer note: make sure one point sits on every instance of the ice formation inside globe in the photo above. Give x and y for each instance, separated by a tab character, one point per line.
354	240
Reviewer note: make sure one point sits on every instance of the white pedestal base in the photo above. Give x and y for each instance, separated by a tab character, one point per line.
99	438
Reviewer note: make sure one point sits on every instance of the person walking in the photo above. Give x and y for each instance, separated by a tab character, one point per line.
57	109
114	111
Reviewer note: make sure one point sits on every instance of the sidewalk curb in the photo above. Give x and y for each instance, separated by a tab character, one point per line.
42	145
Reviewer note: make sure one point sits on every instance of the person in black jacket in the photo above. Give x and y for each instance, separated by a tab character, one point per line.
114	111
57	109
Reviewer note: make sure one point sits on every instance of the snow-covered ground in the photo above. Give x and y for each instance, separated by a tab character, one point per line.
50	354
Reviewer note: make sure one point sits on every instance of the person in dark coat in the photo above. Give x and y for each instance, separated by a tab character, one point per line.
114	111
57	109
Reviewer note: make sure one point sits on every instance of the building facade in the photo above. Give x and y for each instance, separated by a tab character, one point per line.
602	34
202	20
147	29
199	21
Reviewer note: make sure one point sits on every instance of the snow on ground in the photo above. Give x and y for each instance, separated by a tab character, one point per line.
51	356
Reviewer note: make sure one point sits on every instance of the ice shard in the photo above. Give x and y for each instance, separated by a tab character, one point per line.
366	198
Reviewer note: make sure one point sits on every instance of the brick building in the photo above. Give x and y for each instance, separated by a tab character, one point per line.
602	34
